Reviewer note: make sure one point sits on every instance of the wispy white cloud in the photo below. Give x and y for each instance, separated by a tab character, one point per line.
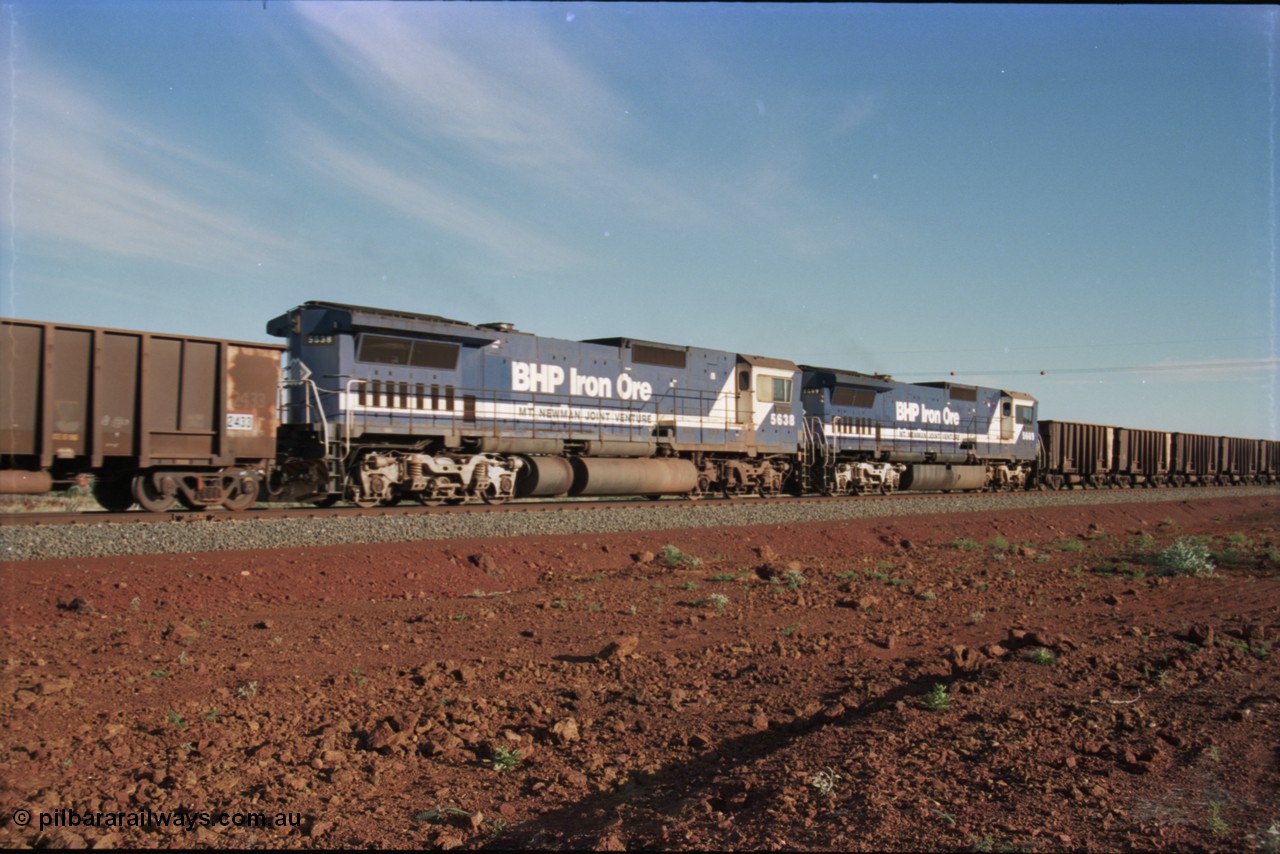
417	196
88	177
1207	370
499	88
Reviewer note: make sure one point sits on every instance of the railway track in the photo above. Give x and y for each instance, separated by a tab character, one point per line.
949	502
134	517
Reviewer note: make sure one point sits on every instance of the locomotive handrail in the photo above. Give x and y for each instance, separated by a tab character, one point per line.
311	390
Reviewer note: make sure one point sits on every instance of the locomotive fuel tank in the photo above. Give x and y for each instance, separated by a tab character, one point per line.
944	478
610	476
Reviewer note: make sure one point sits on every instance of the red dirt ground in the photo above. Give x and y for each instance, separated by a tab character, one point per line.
745	688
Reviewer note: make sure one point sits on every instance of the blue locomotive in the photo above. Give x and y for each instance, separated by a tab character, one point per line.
872	434
381	406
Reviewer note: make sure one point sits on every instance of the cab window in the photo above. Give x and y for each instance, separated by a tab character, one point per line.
384	350
387	350
773	390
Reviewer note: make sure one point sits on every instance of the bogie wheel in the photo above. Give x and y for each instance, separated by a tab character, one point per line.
326	501
359	499
489	496
150	498
114	494
243	495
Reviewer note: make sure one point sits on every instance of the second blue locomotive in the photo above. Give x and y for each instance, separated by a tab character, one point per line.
381	406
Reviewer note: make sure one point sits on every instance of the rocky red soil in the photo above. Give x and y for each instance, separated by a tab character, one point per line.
1027	680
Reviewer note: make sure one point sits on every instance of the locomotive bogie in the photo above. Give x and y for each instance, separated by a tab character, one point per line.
386	477
859	478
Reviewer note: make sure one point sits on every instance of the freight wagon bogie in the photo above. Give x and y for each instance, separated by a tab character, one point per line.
159	490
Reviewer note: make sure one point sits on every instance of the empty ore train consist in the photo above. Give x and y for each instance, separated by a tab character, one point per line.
374	407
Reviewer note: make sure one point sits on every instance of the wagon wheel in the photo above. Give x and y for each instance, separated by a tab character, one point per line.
151	499
499	491
242	495
114	494
359	499
700	489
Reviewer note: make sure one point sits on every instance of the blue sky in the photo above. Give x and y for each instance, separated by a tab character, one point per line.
995	191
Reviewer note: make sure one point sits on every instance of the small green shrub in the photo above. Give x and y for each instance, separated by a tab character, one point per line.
1142	542
505	759
1040	655
826	782
1186	556
965	544
674	557
937	699
719	601
1217	824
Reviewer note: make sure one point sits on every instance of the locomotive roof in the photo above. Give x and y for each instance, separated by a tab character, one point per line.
950	385
843	375
628	342
387	312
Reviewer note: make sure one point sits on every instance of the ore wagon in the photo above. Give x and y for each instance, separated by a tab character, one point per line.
157	419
